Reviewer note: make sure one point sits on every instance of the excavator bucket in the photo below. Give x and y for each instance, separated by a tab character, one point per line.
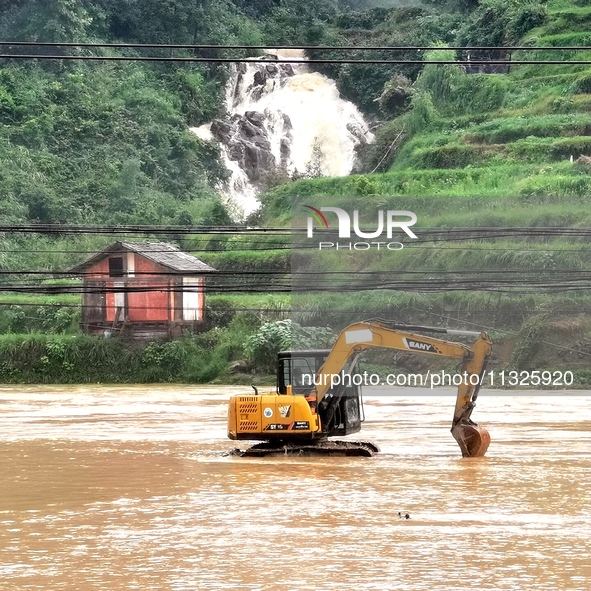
472	439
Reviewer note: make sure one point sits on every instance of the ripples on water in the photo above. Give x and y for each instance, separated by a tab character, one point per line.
119	488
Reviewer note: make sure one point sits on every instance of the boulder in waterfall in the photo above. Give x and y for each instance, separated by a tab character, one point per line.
286	121
222	130
256	118
284	150
260	78
247	129
287	69
261	142
256	161
257	92
236	151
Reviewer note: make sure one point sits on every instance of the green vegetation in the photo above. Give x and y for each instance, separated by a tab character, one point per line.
108	143
51	317
46	358
61	355
282	335
80	359
479	150
102	144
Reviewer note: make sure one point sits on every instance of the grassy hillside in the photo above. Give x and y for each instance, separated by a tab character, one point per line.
482	150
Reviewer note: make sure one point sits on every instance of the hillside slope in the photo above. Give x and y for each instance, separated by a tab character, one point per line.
109	144
484	151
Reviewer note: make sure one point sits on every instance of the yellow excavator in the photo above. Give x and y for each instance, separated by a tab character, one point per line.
309	406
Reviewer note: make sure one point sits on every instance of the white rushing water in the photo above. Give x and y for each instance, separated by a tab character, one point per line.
283	119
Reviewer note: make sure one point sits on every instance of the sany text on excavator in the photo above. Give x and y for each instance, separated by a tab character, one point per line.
305	411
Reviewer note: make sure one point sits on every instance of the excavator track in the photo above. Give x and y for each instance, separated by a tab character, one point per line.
318	448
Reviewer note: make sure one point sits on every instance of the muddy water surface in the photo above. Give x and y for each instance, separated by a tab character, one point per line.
120	488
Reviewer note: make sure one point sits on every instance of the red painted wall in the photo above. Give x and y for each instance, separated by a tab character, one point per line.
100	269
144	266
156	305
149	306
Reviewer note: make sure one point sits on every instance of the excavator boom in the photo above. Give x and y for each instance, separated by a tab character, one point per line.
472	439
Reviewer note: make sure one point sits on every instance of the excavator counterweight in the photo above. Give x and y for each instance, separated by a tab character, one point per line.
308	408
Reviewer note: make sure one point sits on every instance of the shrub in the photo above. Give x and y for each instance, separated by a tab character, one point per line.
396	95
262	347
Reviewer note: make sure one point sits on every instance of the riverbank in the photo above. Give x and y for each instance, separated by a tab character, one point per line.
219	356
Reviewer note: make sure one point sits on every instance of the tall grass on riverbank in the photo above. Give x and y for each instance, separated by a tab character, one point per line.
71	359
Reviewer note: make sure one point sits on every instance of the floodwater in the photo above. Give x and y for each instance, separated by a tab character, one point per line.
121	488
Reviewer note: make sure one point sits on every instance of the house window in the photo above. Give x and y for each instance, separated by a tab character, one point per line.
192	294
116	267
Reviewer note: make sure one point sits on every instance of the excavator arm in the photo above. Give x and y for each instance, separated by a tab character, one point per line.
472	439
303	417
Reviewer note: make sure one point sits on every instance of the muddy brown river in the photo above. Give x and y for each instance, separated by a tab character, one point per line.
121	488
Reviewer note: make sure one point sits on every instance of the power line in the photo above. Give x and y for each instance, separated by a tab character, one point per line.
290	47
291	60
287	246
304	273
428	285
184	232
139	228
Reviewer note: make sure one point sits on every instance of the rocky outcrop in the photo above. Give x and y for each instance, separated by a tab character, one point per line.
247	137
247	142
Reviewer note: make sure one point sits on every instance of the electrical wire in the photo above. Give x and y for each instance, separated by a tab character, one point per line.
248	248
184	232
519	284
139	229
293	61
289	47
583	273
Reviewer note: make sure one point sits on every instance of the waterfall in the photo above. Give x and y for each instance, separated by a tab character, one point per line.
282	119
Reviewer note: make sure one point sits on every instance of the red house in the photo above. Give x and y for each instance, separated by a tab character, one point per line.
142	289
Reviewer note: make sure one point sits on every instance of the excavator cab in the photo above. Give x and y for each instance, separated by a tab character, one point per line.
294	367
341	409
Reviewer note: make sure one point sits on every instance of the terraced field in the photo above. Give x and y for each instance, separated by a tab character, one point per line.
489	151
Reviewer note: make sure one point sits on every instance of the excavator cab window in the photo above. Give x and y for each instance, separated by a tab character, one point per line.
299	372
297	369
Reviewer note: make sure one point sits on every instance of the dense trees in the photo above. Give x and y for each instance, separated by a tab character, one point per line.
501	22
92	142
34	20
101	143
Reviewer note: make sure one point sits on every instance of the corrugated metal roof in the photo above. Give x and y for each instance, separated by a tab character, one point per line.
161	253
